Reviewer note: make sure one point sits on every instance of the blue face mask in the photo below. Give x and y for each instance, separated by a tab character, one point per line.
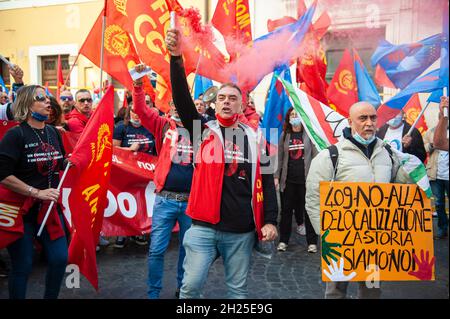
295	121
39	117
396	121
362	140
135	123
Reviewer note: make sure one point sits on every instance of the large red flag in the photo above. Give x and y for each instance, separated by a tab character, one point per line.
343	92
412	110
119	53
92	160
232	19
59	78
312	69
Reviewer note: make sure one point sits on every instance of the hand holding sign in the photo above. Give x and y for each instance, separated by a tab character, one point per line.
327	248
337	272
425	271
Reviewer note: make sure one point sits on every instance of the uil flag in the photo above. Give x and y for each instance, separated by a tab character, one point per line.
399	65
342	91
201	84
277	105
367	90
412	109
232	19
91	158
427	83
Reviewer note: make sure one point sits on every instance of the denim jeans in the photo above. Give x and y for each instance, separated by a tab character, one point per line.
203	245
439	188
21	253
166	212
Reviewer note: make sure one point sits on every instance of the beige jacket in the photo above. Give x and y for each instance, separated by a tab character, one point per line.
352	166
432	164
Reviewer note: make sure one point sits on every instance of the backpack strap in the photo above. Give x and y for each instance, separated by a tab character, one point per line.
334	155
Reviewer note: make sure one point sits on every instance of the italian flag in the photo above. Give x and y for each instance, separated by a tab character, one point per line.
323	125
415	169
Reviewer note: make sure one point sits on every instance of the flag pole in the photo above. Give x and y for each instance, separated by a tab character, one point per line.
53	203
102	49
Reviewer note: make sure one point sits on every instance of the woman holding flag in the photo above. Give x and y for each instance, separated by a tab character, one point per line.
31	156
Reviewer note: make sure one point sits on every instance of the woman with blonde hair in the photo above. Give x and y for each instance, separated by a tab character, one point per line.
31	156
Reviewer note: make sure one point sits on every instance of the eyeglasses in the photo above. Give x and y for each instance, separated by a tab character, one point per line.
40	98
89	100
148	102
66	98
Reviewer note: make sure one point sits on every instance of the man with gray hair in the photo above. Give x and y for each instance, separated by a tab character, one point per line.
361	157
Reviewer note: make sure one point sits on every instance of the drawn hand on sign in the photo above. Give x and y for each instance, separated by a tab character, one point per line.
425	271
327	248
337	272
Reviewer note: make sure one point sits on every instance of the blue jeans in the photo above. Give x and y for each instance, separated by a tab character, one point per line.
21	253
166	212
203	245
439	188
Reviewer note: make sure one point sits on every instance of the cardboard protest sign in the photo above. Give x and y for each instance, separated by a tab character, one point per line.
376	232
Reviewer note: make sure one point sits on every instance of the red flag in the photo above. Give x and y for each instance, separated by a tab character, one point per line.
382	79
342	91
412	110
119	53
59	78
232	19
312	69
92	159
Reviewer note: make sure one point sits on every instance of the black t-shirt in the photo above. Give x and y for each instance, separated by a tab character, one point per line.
179	178
32	155
236	207
296	162
129	134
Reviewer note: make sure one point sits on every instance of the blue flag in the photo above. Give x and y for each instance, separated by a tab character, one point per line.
2	84
201	84
277	105
367	90
404	63
426	83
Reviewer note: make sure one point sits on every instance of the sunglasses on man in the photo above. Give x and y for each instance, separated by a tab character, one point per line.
66	98
89	100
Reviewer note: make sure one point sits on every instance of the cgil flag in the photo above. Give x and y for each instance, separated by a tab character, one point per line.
91	158
323	125
232	20
351	83
412	110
